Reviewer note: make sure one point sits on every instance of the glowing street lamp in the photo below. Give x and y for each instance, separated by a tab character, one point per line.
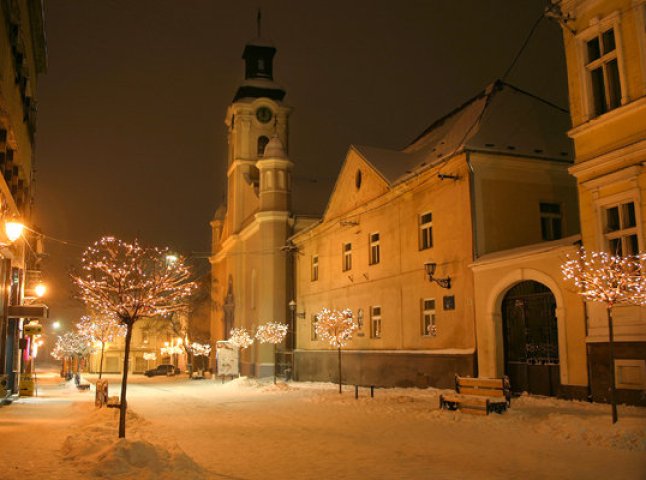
40	290
13	229
56	325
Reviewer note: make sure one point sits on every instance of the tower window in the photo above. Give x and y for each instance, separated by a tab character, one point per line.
262	143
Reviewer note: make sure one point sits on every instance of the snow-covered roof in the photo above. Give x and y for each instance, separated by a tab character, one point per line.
500	119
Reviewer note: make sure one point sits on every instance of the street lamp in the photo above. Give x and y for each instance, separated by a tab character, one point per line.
292	309
40	290
429	268
13	229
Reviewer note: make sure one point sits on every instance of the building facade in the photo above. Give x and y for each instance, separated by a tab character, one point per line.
250	264
489	177
605	48
22	58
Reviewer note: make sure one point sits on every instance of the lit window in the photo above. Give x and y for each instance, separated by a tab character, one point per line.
375	322
551	221
315	267
374	248
620	229
425	231
428	317
603	70
347	257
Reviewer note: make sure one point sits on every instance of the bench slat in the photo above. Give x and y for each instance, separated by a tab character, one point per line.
457	398
486	392
480	382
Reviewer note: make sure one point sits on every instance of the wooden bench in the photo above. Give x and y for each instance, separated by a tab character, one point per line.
478	395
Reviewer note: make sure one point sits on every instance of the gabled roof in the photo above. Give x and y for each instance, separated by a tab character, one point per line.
500	119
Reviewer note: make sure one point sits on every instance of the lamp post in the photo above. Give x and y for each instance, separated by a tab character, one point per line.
292	320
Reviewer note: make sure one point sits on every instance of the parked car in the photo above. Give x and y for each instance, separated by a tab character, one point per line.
162	370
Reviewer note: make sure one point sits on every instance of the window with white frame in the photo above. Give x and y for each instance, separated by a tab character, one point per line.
347	257
602	67
315	267
314	335
375	322
620	228
375	249
425	230
551	221
428	317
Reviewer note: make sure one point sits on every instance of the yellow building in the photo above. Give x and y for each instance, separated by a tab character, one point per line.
605	48
22	58
250	268
490	176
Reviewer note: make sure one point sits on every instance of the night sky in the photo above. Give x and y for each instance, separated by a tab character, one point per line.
131	138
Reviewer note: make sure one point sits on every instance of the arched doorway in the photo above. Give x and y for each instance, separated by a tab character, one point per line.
530	338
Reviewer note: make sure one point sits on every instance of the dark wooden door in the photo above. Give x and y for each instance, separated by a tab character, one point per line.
530	338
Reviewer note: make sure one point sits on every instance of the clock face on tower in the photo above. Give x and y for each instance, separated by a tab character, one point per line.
263	114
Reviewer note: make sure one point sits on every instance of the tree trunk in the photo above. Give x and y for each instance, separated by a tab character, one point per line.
274	364
340	382
101	362
611	348
124	384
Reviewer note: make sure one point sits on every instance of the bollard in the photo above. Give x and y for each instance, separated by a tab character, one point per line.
356	391
372	391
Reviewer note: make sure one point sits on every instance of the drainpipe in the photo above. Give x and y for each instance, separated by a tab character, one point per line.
474	253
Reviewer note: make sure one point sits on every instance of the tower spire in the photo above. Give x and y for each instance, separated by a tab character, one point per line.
259	22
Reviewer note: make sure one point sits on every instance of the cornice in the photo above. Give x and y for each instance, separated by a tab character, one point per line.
611	116
635	152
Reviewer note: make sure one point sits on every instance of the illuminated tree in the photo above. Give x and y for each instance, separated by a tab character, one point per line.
336	328
101	329
272	332
201	350
131	282
72	346
611	280
241	338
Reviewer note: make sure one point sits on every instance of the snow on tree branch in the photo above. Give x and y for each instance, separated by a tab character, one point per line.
72	345
131	281
102	329
271	332
201	349
335	327
601	277
240	338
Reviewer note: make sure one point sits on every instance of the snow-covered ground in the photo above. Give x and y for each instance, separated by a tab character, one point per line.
249	429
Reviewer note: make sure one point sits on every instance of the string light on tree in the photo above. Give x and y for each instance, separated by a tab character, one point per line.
240	338
131	282
102	329
611	280
202	350
335	327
